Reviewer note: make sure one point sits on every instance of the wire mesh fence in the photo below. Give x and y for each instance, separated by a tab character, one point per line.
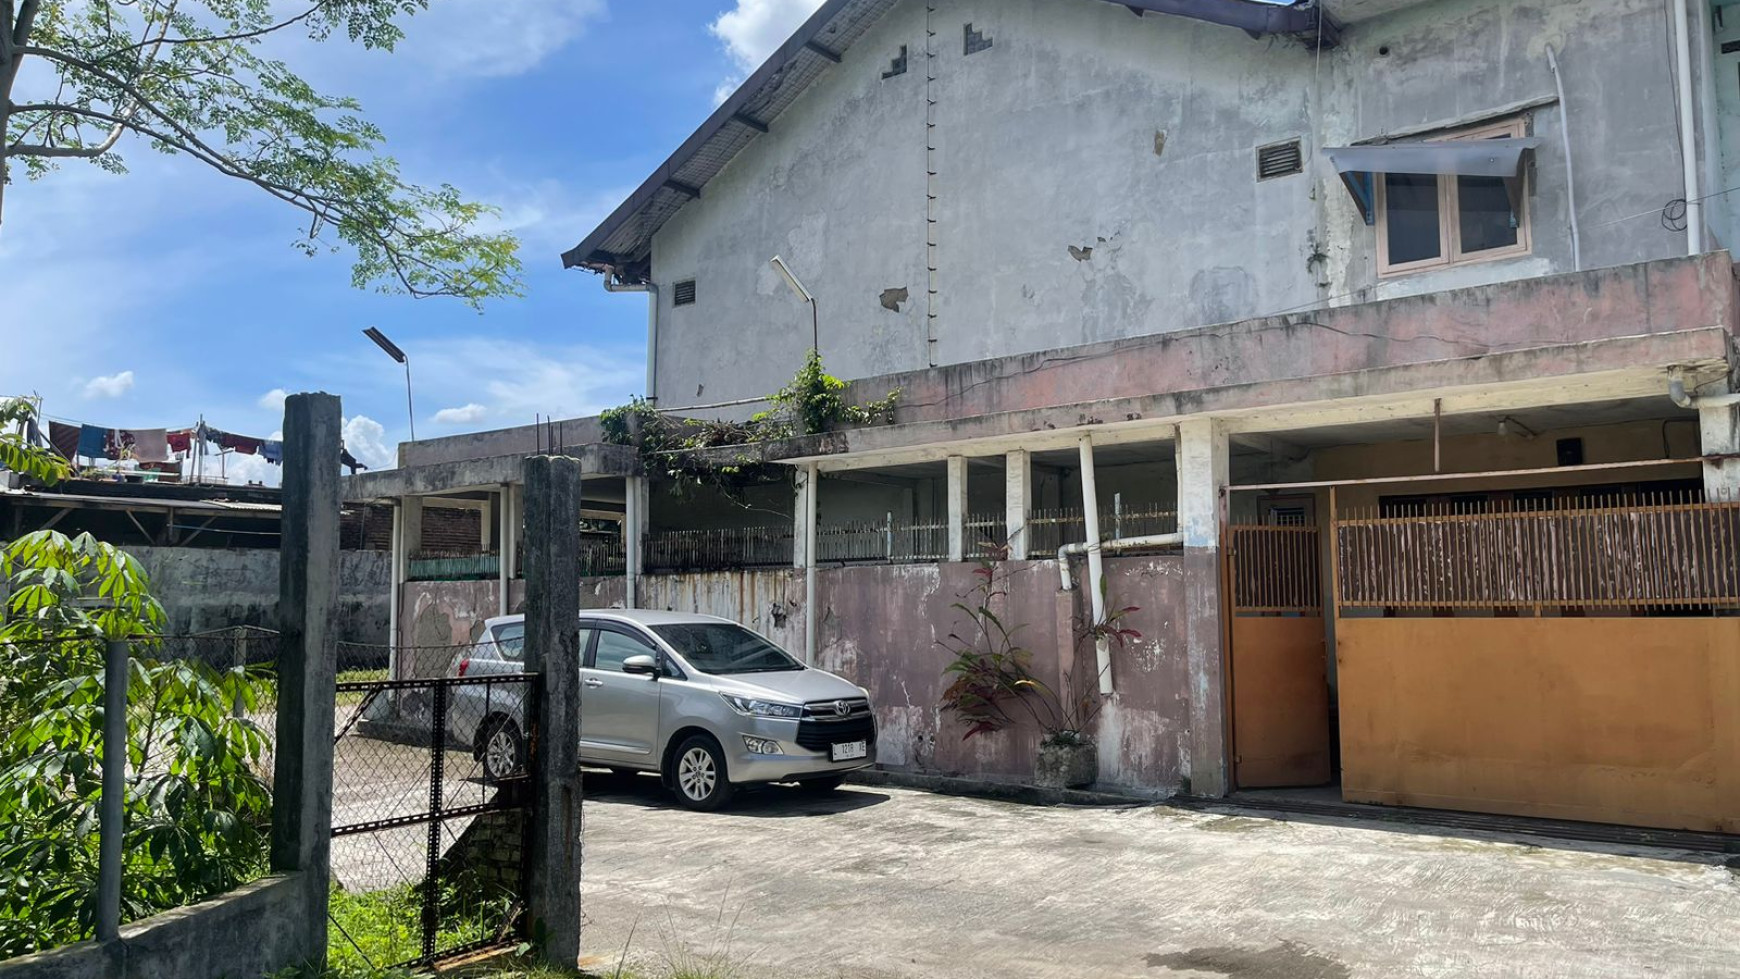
430	795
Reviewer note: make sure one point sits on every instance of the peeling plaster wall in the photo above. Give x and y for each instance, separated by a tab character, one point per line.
1096	180
880	627
213	588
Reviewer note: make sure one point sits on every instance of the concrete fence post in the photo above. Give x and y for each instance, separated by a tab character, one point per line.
552	650
112	805
307	583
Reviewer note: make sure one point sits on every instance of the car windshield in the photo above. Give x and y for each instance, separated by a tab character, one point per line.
726	648
511	640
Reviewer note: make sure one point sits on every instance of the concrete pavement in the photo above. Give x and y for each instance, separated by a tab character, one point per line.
885	882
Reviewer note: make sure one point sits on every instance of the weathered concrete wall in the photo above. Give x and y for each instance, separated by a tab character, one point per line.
880	627
1085	129
244	933
211	588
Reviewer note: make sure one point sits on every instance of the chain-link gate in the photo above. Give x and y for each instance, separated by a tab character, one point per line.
431	804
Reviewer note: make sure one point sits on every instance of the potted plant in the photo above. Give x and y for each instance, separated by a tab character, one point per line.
993	686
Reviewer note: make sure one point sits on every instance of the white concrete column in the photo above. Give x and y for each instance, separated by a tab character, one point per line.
486	523
514	502
957	503
1203	463
1719	427
634	529
1017	500
396	552
407	541
800	522
504	536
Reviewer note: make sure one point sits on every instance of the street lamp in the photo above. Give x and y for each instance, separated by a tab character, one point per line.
804	294
393	351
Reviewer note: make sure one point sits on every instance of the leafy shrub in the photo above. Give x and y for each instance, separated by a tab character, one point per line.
197	808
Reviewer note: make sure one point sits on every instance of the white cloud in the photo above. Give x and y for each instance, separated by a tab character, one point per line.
469	414
366	440
112	386
491	38
273	400
753	30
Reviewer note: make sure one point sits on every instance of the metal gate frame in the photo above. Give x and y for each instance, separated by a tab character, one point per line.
511	794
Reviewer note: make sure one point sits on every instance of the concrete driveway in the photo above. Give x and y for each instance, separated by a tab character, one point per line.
882	882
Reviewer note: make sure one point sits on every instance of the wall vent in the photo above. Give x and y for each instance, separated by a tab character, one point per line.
897	67
1279	160
683	293
976	41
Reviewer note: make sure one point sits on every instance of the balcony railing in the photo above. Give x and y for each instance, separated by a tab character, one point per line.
452	566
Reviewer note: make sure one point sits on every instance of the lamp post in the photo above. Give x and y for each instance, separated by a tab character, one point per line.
393	351
804	294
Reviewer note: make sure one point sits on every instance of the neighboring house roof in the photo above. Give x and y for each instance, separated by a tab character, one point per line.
623	242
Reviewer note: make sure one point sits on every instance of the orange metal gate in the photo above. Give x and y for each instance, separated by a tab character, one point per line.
1580	662
1280	686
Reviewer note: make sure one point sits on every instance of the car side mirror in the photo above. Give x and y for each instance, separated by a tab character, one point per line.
641	666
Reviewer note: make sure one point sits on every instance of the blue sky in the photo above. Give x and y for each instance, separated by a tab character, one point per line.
148	299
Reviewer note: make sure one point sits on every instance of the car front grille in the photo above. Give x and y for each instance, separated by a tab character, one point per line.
823	725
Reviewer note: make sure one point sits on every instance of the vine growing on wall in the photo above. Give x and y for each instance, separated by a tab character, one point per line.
813	402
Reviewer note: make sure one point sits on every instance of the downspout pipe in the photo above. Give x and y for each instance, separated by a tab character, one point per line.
812	490
1090	505
1685	399
1570	169
1068	551
652	328
1688	130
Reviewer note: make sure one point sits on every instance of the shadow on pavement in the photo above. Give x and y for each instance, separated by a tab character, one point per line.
761	801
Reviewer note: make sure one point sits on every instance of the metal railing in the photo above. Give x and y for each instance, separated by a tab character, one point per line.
1274	570
1051	528
1647	553
453	566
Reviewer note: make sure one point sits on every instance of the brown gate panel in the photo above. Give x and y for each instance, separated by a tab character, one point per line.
1618	720
1280	687
1280	702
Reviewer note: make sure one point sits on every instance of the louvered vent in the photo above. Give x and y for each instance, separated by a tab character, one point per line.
684	293
1279	160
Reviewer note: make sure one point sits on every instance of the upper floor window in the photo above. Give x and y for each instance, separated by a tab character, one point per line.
1430	220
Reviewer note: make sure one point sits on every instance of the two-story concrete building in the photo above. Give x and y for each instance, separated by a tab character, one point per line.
1394	337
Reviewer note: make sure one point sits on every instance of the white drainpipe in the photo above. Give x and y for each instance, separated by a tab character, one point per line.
1090	504
812	490
652	329
1688	130
1677	391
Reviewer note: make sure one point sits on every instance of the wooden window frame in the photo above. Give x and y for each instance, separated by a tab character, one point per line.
1450	252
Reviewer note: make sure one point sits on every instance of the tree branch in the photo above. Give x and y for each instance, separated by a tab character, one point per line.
46	151
214	38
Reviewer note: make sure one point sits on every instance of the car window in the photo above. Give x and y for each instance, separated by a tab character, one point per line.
614	647
511	640
725	647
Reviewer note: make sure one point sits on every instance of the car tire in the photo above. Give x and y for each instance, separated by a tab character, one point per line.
821	786
501	749
698	774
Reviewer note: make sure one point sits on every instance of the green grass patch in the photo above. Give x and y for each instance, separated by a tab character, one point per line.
350	698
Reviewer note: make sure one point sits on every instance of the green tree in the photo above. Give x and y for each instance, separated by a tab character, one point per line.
188	78
197	807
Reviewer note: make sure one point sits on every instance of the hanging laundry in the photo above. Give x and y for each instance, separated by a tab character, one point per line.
94	442
180	440
246	445
165	468
146	444
64	438
273	451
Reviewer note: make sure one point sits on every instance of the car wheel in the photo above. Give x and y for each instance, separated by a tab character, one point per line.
822	786
700	777
502	749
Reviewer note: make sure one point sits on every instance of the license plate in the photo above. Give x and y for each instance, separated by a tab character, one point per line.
850	750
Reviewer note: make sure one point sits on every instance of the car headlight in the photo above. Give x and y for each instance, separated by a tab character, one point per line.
761	708
760	746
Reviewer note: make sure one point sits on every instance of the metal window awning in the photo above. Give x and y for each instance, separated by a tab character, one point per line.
1359	165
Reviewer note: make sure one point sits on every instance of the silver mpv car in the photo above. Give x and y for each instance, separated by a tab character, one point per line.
702	701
